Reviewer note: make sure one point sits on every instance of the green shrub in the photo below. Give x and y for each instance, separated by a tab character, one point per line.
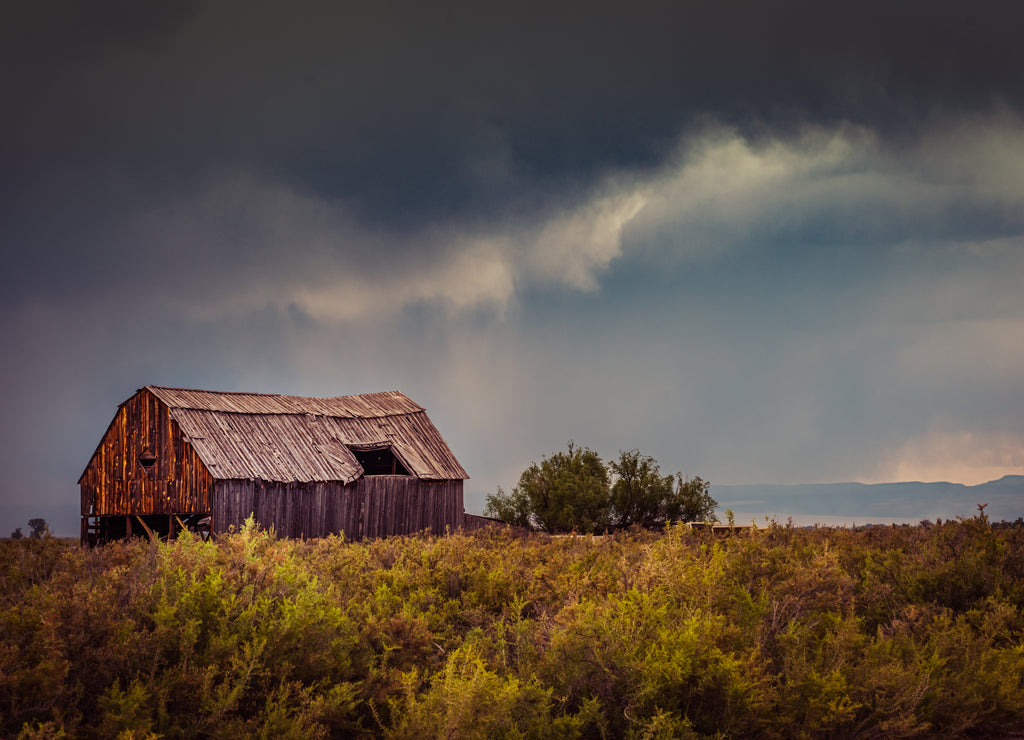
779	632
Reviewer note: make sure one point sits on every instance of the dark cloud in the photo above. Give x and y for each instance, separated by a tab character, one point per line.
749	238
389	105
410	115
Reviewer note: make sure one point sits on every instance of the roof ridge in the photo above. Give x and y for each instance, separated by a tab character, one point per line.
271	395
206	390
299	413
375	405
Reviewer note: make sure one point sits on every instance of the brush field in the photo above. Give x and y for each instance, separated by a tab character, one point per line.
775	632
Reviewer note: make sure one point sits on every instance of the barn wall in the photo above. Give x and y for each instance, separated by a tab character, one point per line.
115	483
396	505
372	506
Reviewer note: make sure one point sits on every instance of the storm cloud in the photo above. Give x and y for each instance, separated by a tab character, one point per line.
763	242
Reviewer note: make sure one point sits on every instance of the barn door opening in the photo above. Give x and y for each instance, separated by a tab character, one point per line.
379	461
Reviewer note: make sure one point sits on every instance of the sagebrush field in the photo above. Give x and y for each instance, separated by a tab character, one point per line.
777	632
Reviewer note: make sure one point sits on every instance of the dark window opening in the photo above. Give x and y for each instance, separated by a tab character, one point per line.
147	459
380	462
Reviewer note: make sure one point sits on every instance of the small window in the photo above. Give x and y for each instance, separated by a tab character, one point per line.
380	462
147	459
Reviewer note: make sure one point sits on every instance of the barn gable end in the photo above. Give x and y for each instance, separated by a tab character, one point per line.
369	466
119	480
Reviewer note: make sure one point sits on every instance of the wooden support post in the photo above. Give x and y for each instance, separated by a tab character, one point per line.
128	527
148	530
170	527
178	519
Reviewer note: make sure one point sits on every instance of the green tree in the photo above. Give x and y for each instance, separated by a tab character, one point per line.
565	492
640	493
691	501
513	507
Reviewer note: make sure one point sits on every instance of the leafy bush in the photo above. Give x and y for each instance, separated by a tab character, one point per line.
565	492
575	491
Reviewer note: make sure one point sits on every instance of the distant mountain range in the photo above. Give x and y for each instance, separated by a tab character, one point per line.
863	503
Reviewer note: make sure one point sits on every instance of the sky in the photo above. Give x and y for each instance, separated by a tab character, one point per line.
759	241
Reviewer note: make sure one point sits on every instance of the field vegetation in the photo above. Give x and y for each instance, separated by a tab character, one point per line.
778	632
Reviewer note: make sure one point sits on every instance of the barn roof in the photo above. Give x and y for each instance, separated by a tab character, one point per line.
296	438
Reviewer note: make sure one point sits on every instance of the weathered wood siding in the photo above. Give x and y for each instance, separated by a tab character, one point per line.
373	506
397	505
116	483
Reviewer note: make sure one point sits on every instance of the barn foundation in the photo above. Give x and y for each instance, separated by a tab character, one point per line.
99	530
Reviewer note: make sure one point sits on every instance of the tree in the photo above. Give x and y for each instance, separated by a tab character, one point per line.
40	528
16	534
566	492
691	501
640	493
513	507
572	491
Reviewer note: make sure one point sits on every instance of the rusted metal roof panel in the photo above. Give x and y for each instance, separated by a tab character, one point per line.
294	438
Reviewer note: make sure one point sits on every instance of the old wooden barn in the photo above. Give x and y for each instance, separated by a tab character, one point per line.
370	465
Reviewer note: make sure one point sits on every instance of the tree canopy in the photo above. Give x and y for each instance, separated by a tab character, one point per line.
577	491
566	491
39	527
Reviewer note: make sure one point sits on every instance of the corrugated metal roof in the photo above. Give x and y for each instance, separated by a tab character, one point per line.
295	438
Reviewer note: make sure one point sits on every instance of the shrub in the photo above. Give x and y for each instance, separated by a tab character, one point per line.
566	492
779	632
574	491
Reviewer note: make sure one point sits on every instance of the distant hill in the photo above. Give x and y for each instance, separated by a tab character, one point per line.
880	502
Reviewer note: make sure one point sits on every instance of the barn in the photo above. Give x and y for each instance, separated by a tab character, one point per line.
369	465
